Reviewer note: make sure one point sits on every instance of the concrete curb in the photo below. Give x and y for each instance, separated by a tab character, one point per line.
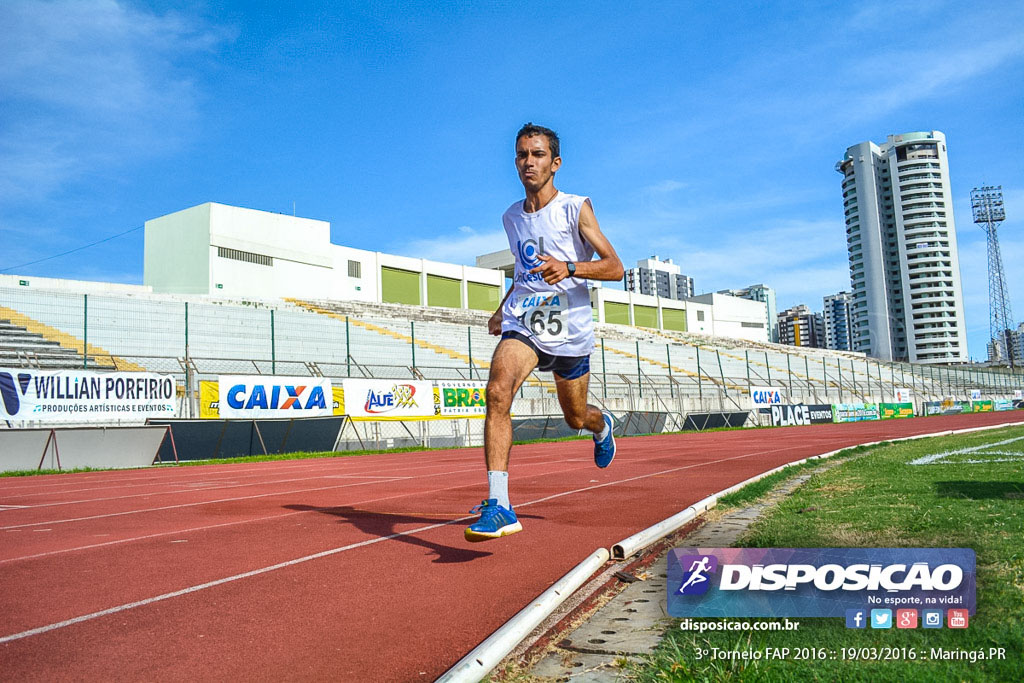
640	540
485	656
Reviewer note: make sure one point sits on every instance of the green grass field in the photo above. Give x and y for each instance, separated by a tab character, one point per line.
968	493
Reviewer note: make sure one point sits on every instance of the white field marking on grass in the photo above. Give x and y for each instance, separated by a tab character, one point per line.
982	450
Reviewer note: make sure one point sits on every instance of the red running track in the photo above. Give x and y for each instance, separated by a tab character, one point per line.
336	569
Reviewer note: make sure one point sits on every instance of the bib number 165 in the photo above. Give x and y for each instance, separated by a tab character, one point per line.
544	316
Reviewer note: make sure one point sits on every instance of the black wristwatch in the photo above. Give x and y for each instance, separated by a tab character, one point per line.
572	268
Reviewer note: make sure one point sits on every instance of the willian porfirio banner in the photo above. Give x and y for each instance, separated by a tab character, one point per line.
817	582
269	396
81	396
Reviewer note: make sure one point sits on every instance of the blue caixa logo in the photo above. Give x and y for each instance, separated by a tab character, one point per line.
697	570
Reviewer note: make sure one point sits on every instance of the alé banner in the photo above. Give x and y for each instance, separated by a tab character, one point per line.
269	396
388	399
79	396
816	582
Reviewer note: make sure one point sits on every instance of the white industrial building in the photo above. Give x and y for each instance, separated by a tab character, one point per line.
763	293
232	252
907	302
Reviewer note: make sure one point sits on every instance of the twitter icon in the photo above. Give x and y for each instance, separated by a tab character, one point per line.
881	618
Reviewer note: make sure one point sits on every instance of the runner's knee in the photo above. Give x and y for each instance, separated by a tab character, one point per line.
574	421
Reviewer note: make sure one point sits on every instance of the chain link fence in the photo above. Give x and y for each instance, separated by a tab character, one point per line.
631	369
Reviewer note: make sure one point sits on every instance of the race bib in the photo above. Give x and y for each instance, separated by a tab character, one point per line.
544	314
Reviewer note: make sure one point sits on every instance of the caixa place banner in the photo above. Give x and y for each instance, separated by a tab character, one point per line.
817	582
388	399
800	414
266	396
83	396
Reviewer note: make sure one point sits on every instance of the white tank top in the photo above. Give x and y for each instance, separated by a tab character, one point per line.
556	317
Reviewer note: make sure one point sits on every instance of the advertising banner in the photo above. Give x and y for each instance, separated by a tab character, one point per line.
209	401
766	396
854	412
83	396
460	398
975	394
982	406
800	414
388	399
818	582
895	411
946	407
1018	394
903	395
1001	404
269	396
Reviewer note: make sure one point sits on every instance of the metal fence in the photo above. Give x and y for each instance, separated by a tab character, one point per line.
631	369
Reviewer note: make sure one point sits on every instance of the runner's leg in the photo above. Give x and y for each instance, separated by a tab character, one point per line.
512	363
572	396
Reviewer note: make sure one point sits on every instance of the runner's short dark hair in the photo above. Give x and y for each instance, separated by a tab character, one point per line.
529	130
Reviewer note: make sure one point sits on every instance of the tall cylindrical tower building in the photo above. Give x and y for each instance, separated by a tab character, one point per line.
901	238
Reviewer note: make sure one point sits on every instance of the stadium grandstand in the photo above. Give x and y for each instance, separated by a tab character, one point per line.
232	293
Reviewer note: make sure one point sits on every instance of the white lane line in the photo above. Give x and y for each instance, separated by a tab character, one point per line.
335	551
219	500
150	494
218	582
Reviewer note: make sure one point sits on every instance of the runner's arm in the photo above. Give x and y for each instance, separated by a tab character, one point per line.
494	323
607	267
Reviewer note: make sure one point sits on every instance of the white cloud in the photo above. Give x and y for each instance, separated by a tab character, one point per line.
462	246
88	83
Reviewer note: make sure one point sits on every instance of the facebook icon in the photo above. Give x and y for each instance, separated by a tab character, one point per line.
856	618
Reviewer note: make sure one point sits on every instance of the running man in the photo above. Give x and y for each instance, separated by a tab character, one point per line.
545	319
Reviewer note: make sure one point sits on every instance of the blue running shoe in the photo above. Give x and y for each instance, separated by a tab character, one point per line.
495	521
604	451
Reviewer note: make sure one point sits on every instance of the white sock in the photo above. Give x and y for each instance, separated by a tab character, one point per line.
603	434
497	482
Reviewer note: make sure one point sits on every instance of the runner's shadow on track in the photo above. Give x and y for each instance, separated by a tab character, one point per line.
383	525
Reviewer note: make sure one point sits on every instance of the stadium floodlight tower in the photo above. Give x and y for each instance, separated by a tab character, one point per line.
987	206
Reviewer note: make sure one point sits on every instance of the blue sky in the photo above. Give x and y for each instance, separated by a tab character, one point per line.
704	132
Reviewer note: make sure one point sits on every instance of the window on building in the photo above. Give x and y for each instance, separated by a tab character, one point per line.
246	256
700	316
355	269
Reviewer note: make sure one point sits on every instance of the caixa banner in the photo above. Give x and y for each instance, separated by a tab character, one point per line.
263	396
817	582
